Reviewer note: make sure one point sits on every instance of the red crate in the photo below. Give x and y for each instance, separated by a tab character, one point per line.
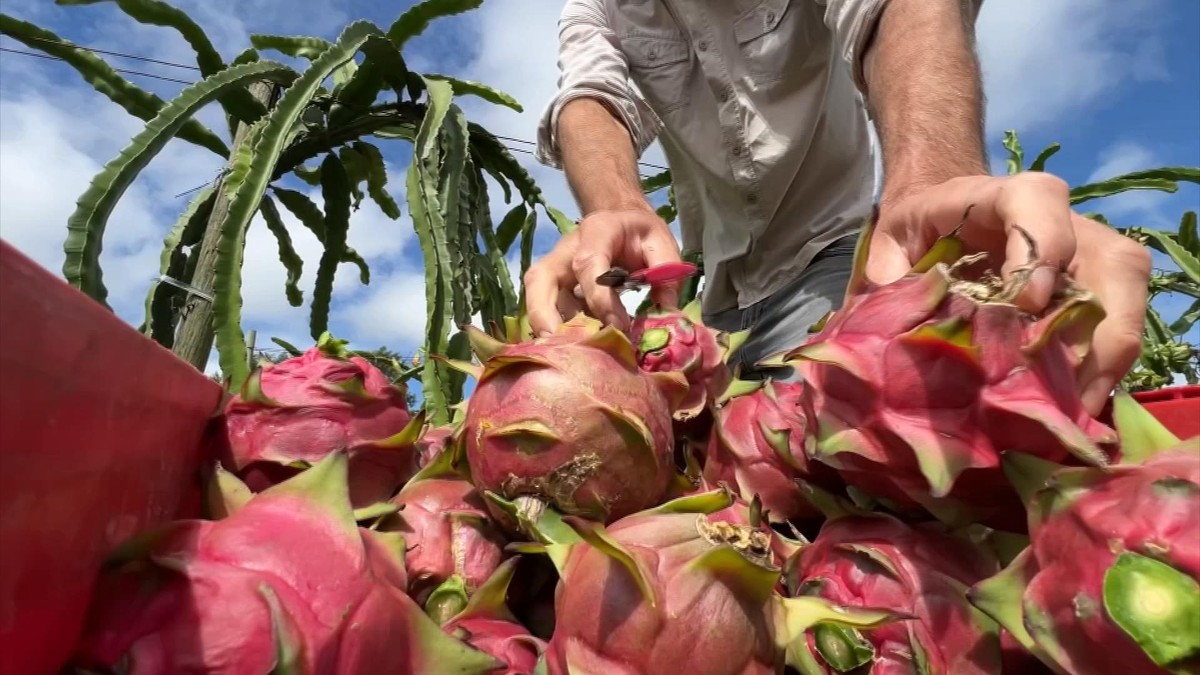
101	435
1178	408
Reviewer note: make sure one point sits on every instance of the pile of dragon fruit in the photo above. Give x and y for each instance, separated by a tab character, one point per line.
920	491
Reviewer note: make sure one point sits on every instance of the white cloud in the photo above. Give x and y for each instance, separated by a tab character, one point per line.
1044	62
1140	207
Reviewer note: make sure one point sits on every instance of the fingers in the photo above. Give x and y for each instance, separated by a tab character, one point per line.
598	245
544	281
1035	211
658	247
1117	270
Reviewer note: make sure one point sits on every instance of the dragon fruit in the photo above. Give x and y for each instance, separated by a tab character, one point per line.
1111	580
918	385
570	420
671	589
286	582
873	559
678	340
486	624
292	414
453	545
433	442
758	445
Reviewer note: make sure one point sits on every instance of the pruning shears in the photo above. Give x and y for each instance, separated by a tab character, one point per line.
655	275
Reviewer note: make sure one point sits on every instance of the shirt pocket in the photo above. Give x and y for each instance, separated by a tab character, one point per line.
777	39
661	68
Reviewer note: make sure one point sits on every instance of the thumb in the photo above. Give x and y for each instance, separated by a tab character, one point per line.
887	261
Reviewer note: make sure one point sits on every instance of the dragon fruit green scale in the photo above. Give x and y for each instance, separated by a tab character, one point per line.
1111	580
571	420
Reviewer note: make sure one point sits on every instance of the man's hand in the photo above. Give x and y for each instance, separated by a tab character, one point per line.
633	239
1101	260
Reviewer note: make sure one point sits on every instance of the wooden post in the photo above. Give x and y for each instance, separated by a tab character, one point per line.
195	340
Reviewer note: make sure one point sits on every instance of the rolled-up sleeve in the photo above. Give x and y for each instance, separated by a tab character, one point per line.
853	23
591	65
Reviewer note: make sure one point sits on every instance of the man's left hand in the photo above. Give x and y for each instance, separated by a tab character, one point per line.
1113	267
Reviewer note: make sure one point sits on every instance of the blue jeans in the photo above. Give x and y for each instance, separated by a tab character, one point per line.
781	321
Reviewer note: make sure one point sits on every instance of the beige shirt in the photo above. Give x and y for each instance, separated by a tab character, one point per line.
758	106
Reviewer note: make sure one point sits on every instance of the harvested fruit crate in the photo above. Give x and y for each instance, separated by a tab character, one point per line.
102	435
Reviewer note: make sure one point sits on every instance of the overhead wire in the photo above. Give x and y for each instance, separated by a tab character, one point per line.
172	64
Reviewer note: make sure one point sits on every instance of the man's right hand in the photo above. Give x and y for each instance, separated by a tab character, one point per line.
634	238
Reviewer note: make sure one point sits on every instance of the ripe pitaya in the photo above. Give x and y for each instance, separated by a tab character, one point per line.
292	414
486	624
1111	580
433	442
451	539
286	583
678	340
758	446
671	589
571	420
918	385
872	559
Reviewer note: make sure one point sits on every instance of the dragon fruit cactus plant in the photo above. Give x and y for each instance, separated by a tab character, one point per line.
919	384
570	421
292	414
1109	583
921	571
285	582
759	446
455	545
671	589
486	624
678	340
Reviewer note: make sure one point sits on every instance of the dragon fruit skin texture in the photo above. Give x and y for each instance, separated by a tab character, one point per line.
759	447
292	414
678	341
447	521
672	590
1111	580
876	560
571	420
286	583
920	384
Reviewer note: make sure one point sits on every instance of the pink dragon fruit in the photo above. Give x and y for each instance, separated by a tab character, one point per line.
486	624
570	420
918	385
433	442
451	539
1111	580
672	590
758	446
876	560
678	340
285	583
292	414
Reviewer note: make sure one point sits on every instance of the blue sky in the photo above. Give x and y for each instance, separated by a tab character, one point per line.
1117	85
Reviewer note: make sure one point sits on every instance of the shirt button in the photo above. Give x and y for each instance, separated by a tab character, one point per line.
652	55
770	18
752	198
702	45
737	151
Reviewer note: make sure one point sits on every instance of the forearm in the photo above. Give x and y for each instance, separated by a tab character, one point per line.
925	92
599	159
